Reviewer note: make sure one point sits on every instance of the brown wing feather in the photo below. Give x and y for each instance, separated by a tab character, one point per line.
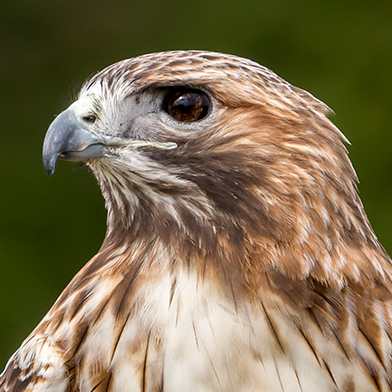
14	379
37	365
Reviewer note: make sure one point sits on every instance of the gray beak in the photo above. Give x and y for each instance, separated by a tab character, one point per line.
68	139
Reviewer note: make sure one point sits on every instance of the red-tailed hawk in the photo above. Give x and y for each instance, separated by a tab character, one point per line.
238	256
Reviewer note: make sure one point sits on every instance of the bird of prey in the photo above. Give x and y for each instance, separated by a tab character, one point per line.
238	255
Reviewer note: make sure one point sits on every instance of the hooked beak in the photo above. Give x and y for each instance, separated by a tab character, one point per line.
68	139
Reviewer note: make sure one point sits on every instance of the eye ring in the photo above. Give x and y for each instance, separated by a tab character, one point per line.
187	105
90	119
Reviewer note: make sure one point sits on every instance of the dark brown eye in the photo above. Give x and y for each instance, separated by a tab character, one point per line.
89	119
187	105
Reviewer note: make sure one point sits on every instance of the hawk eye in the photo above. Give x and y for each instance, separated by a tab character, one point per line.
187	105
89	119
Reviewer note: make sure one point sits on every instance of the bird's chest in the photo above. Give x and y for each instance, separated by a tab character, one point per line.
182	334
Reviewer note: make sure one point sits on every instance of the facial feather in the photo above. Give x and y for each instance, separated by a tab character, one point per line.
238	255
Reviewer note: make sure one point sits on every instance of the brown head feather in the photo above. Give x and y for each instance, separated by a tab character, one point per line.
254	218
273	169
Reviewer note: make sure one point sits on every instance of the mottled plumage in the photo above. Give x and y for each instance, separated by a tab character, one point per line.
238	255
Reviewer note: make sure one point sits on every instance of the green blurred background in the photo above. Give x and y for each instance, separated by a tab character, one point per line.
341	51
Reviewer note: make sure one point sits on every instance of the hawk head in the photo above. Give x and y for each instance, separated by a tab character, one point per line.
221	159
238	255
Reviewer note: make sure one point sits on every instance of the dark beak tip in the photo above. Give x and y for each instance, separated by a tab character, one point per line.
49	172
50	164
68	139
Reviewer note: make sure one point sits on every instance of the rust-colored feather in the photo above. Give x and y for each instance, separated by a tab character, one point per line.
238	255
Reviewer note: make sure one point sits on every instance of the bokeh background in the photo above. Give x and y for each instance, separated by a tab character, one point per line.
341	51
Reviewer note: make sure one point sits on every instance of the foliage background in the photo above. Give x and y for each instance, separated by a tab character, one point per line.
341	51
